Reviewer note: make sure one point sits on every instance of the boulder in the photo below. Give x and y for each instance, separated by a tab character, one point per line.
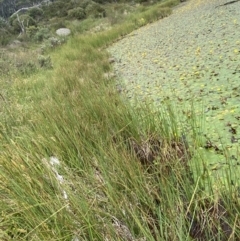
63	32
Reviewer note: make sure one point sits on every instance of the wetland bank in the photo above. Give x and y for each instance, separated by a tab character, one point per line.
81	162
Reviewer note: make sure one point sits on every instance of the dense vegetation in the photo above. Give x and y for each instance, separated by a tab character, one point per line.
29	19
78	162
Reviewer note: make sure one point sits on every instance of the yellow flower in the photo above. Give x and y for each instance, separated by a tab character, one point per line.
198	50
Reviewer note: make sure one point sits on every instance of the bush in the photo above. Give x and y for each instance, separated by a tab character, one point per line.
85	3
54	42
4	39
25	22
31	31
22	37
58	24
4	32
56	9
45	62
50	43
35	13
3	23
27	68
41	34
102	1
77	13
95	10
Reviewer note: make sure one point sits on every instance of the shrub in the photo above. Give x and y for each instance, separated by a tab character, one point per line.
53	41
77	13
4	32
35	13
59	8
22	22
27	68
102	1
95	10
31	31
4	39
85	3
59	24
3	23
45	62
142	1
50	43
55	9
22	37
41	34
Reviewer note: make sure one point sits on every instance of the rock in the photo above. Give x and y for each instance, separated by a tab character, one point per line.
109	75
15	44
111	60
63	32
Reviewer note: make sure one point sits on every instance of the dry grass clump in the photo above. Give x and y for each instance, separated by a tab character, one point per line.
210	221
156	149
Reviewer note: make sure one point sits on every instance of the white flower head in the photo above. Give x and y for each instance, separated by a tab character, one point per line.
65	196
54	161
59	177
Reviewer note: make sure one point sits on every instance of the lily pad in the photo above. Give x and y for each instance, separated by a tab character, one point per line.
190	57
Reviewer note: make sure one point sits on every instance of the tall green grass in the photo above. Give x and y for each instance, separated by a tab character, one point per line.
74	115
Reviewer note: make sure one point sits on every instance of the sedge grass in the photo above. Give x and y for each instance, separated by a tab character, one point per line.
74	115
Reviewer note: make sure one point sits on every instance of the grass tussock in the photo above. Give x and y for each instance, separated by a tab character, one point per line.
79	163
